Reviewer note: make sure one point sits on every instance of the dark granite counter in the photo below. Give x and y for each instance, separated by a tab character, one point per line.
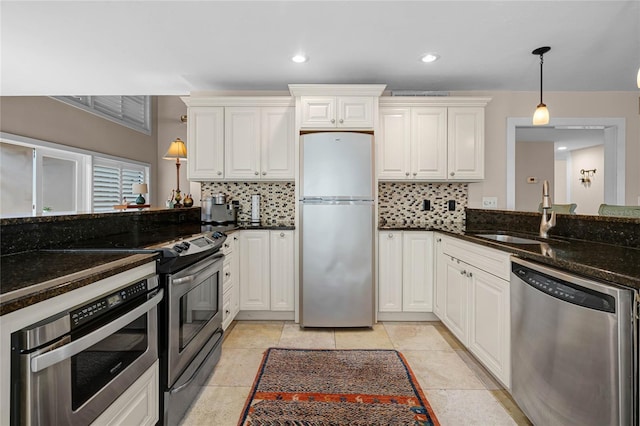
31	277
617	264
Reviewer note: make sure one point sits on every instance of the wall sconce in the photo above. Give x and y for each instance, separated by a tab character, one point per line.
541	115
586	176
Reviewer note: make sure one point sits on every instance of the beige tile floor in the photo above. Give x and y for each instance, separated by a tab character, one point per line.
460	391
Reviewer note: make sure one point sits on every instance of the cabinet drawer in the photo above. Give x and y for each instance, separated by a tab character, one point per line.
226	275
493	261
226	248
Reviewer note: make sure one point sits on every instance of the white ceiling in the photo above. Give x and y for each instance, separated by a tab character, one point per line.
175	47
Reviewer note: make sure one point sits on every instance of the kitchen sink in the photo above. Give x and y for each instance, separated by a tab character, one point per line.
508	239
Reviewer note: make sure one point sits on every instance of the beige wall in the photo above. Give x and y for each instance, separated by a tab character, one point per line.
533	159
587	197
561	104
44	118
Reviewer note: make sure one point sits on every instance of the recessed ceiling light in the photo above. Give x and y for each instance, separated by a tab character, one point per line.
562	148
298	59
430	57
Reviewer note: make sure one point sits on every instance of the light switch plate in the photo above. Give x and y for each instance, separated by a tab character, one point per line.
489	202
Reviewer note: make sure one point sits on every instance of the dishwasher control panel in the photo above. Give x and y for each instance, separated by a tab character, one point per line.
565	290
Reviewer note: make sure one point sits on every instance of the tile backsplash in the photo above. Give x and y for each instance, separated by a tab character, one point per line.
402	203
277	199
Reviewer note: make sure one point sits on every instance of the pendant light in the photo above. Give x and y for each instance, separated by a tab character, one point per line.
541	116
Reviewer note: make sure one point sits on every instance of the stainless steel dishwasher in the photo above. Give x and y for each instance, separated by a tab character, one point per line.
574	348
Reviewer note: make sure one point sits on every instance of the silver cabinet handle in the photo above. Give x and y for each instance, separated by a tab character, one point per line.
438	240
390	235
341	121
282	234
470	274
452	173
256	173
50	358
227	274
264	173
226	245
415	173
333	120
235	238
463	272
219	173
406	173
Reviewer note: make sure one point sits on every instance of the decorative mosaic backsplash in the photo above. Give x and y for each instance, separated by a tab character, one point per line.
401	203
277	199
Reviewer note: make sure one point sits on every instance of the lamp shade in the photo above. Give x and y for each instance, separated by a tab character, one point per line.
139	188
177	150
541	116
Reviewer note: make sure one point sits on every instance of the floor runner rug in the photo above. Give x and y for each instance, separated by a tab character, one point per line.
317	387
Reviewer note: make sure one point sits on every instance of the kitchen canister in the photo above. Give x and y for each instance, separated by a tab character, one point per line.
255	209
205	212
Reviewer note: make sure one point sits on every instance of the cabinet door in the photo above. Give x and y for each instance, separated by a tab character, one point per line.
440	287
242	143
466	143
390	271
417	272
282	282
318	112
254	271
394	143
429	143
205	143
489	319
277	157
355	112
455	303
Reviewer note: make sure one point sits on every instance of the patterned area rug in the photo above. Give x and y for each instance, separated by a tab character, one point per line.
316	387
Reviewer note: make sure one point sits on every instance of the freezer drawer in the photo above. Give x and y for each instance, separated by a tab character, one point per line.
337	288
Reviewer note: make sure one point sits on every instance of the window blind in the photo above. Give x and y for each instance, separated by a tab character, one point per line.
130	111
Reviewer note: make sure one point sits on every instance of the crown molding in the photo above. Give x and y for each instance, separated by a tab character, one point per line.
337	89
435	101
250	101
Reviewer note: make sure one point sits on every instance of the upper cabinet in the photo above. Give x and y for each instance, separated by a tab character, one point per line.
259	143
426	139
345	112
337	106
240	138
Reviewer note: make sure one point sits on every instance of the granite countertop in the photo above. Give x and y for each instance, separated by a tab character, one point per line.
616	264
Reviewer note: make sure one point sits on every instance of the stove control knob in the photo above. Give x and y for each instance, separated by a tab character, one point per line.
185	245
178	248
217	234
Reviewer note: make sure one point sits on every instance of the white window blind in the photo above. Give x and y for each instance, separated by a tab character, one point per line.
112	182
130	111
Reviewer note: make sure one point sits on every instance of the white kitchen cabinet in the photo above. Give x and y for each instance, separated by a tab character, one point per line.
138	405
255	291
405	271
346	112
465	154
472	300
282	269
489	319
417	272
205	143
424	139
259	143
390	271
230	283
266	270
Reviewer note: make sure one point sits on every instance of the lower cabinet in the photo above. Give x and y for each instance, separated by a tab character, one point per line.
474	303
138	405
266	270
405	271
230	282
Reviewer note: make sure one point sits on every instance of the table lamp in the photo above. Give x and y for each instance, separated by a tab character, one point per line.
140	188
177	151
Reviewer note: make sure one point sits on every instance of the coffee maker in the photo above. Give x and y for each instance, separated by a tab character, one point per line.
215	210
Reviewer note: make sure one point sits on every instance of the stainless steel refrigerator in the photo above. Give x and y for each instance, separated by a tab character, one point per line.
336	205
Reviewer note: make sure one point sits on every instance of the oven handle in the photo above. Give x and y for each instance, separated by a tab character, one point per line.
48	359
193	277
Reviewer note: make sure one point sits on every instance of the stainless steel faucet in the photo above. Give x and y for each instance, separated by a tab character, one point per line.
547	222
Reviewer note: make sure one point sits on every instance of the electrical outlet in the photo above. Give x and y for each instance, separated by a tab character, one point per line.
532	179
452	205
489	202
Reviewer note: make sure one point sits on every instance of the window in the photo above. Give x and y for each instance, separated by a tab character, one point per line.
130	111
112	182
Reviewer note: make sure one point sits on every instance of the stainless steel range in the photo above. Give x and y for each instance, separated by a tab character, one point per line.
190	321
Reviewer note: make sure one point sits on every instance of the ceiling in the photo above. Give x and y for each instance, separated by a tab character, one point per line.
176	47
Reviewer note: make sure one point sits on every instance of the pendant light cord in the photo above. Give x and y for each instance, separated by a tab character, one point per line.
541	61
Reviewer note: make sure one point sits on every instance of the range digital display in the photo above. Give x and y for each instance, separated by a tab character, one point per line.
200	242
114	300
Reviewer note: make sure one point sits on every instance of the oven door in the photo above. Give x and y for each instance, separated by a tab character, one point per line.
73	380
195	312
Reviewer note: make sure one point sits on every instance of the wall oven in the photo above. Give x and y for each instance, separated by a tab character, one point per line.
69	368
190	331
